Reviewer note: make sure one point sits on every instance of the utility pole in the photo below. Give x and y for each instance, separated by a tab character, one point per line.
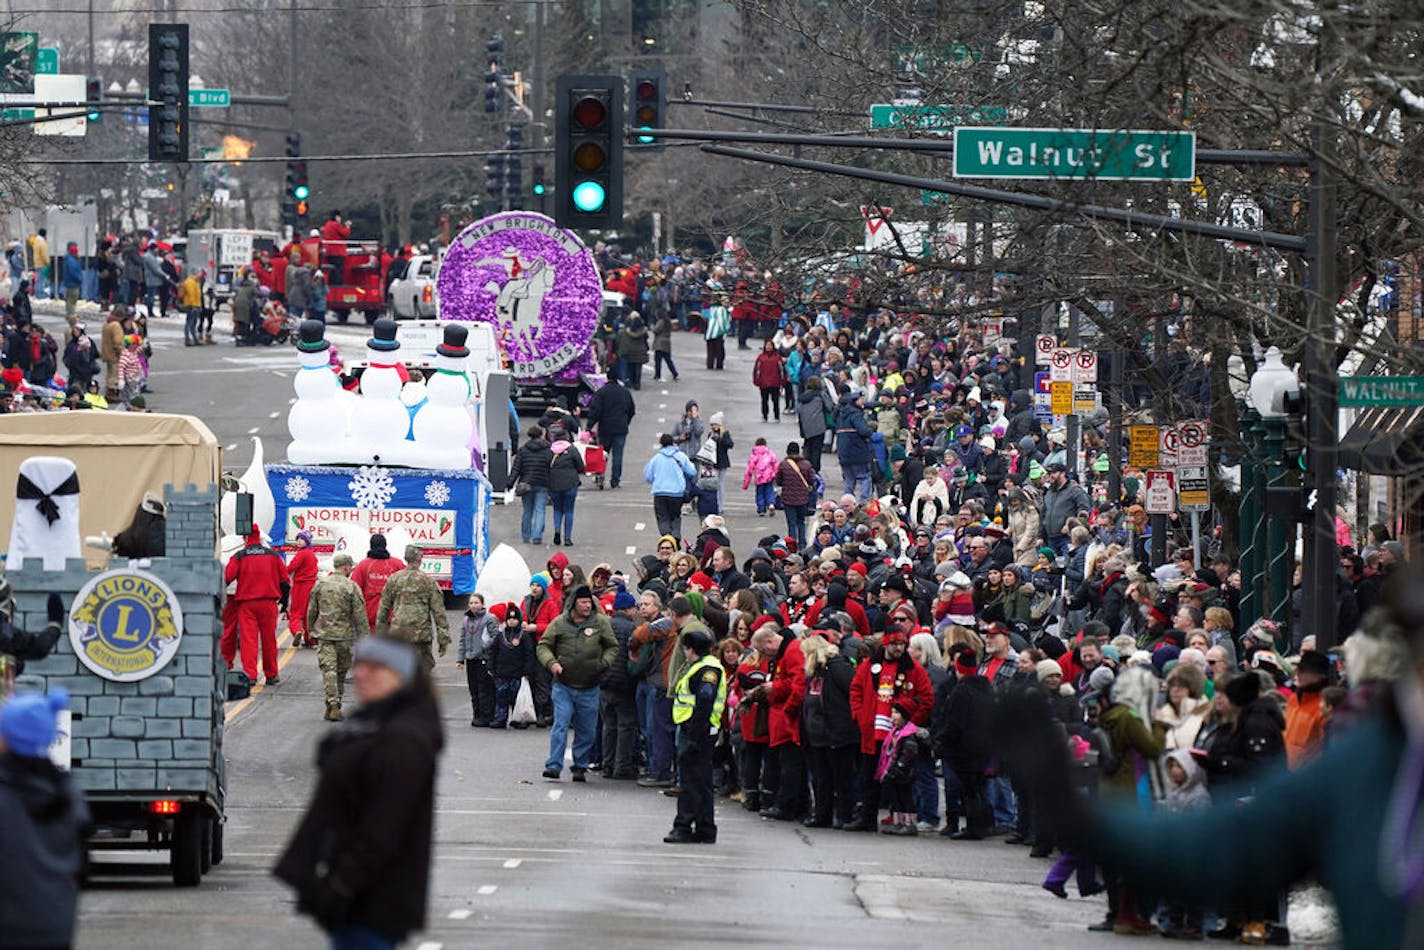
1158	554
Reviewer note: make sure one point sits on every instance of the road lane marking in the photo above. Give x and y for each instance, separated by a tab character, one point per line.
513	863
664	392
462	914
272	415
662	419
254	430
429	945
555	794
487	889
662	405
630	549
640	526
231	448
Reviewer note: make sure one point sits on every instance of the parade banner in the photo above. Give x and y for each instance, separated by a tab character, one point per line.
446	512
535	282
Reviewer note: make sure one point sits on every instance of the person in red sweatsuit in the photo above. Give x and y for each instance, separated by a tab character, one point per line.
262	584
785	694
888	676
335	229
302	570
372	573
754	671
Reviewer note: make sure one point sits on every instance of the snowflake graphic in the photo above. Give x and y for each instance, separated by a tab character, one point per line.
298	488
372	487
437	494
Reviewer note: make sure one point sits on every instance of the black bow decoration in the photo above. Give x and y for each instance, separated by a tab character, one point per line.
26	490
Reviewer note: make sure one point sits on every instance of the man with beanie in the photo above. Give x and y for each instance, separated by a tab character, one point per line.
43	823
413	608
963	741
700	698
576	649
336	618
360	859
1305	719
889	675
372	573
617	702
262	584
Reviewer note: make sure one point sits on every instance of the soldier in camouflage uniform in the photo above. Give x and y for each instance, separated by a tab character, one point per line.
336	616
412	608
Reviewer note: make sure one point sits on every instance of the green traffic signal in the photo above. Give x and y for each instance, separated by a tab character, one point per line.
539	188
301	192
589	196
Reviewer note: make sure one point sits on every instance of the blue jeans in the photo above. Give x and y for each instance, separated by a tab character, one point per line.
796	523
149	293
1059	544
191	316
531	523
765	497
926	791
659	731
857	481
575	707
356	937
1001	799
613	445
564	512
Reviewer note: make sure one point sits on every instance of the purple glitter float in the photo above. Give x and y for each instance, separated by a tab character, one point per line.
535	282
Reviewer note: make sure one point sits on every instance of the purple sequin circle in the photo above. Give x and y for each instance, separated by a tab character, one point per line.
482	261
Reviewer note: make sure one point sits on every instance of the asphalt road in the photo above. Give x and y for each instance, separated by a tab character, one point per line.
553	864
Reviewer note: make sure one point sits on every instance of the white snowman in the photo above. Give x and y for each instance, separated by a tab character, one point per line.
379	422
317	420
443	426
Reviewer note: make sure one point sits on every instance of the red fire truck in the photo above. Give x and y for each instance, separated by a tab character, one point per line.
355	276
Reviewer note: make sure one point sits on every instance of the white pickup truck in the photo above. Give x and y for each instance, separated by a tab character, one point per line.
412	296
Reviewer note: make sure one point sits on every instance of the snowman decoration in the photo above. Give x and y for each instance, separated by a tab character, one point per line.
317	420
443	426
380	423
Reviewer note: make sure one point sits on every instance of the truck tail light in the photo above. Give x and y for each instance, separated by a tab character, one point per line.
166	806
429	294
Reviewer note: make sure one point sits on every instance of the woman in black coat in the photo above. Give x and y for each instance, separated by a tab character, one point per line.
962	740
531	469
829	734
360	859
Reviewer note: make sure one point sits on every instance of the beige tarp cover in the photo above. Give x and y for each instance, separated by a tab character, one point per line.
119	455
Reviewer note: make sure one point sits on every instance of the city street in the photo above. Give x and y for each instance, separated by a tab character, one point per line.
522	859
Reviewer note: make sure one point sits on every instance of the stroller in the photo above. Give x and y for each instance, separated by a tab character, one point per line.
595	460
278	326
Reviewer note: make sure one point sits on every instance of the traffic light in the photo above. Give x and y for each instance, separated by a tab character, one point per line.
648	85
301	193
93	96
537	175
588	152
494	175
168	92
295	192
494	93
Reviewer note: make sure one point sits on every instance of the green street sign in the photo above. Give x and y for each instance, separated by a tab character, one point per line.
930	59
1081	154
940	119
47	61
210	98
1382	391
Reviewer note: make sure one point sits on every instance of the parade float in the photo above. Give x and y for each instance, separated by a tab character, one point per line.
404	454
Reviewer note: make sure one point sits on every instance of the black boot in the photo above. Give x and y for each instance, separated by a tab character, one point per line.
751	801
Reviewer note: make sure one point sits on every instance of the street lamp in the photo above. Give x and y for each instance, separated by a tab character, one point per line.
1270	385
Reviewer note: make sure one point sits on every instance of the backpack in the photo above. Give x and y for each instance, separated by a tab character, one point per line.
706	476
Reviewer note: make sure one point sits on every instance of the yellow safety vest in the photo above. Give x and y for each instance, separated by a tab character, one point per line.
683	701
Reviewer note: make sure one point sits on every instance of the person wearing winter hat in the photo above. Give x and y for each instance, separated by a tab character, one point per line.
302	570
43	820
372	572
617	700
578	646
961	738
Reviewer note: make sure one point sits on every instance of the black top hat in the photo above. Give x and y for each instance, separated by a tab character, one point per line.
454	344
313	337
383	336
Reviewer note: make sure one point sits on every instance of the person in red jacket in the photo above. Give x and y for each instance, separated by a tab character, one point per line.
888	676
262	584
335	229
754	672
838	598
302	570
768	376
272	273
372	573
785	693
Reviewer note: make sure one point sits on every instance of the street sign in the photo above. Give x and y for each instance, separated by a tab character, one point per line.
210	98
1381	391
992	330
934	59
1085	366
11	115
1042	409
1193	440
1142	446
1060	398
47	61
1060	365
1043	349
66	87
1085	399
938	119
1128	155
1193	488
1161	493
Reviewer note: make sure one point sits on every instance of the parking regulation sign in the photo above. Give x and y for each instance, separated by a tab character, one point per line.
1161	493
1193	488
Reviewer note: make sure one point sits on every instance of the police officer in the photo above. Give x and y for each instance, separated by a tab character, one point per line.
700	697
412	607
336	616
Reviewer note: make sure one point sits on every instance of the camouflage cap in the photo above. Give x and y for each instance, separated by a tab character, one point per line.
414	552
342	560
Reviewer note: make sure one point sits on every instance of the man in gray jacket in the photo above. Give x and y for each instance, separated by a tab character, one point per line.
1062	499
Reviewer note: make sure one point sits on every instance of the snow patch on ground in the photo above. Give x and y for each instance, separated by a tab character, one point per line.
1312	917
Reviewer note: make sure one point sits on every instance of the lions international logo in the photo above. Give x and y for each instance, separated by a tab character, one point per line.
535	282
125	625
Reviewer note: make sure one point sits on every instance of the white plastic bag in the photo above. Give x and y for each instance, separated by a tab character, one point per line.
523	703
